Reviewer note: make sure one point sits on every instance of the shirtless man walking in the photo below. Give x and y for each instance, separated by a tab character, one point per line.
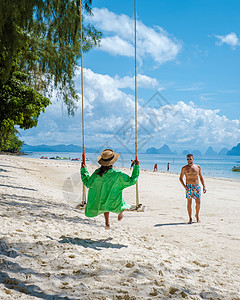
192	173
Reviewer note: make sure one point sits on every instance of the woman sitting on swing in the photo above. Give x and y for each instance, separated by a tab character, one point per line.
106	185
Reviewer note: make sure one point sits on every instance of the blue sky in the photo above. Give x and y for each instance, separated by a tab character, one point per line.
188	57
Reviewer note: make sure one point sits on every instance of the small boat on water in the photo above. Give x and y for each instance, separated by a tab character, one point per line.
236	169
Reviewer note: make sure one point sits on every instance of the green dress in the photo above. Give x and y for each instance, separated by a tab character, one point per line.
105	193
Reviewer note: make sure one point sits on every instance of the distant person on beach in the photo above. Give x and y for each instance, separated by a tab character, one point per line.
106	185
155	168
192	174
168	167
132	164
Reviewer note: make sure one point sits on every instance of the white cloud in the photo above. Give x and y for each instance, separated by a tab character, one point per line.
106	105
110	109
117	46
182	122
230	39
119	37
103	95
207	97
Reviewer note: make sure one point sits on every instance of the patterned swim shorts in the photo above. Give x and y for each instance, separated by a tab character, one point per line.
193	191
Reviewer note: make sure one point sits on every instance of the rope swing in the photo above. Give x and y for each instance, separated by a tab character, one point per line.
136	133
83	202
84	198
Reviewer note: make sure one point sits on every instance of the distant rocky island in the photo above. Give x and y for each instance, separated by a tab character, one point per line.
234	150
163	150
55	148
193	152
223	151
210	151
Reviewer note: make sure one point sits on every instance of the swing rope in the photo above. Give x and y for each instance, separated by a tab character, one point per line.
136	132
83	144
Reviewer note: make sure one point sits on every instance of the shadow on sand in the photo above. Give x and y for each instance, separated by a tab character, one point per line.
88	243
42	209
14	167
33	290
4	176
12	283
170	224
17	187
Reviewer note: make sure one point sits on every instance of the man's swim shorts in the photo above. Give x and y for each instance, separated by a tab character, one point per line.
193	191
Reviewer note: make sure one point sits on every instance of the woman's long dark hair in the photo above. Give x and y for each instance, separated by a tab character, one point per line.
103	170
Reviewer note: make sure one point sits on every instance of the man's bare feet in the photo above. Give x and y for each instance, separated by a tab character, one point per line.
197	217
107	226
120	216
190	221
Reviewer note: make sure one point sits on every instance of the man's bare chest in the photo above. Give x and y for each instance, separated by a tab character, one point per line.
192	171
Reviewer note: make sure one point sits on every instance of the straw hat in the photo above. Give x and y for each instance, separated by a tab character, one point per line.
107	157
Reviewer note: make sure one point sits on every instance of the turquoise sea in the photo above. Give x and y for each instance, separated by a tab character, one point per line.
212	166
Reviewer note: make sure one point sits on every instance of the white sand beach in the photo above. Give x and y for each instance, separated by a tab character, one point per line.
50	250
